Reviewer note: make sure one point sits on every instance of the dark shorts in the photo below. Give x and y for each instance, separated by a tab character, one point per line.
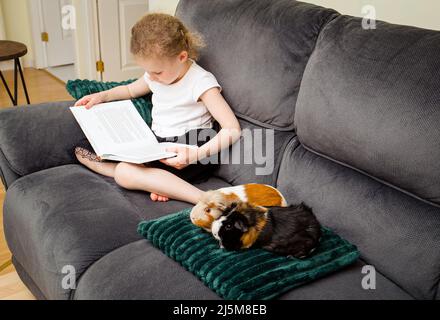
196	172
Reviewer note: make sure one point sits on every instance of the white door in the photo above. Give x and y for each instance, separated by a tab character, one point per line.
116	18
60	45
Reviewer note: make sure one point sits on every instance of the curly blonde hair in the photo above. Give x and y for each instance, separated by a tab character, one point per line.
160	34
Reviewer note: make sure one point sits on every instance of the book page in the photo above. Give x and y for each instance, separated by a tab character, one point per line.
114	126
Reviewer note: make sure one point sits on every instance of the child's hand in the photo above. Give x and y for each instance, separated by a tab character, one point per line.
185	156
90	100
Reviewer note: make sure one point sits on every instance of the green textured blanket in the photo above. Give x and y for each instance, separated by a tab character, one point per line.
80	88
251	274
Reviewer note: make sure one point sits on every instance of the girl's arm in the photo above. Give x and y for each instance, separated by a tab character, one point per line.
230	132
230	128
130	91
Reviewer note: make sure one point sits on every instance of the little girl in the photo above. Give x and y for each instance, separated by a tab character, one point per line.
186	99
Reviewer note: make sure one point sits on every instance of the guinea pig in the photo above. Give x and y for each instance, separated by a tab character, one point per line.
291	231
212	203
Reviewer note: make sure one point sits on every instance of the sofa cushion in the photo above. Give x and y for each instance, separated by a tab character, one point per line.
45	133
370	99
148	209
261	73
141	271
51	220
255	157
396	233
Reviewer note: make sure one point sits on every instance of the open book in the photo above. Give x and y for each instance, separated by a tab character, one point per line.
117	132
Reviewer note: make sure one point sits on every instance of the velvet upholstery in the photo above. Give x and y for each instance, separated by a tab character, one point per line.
255	157
46	134
397	234
364	105
55	224
370	99
257	49
141	271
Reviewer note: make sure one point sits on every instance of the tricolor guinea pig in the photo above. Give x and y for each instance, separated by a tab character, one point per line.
290	231
212	203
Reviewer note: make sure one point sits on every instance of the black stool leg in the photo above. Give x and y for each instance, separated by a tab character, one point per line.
15	83
23	82
6	86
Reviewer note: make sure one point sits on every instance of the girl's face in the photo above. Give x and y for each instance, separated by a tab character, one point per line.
165	70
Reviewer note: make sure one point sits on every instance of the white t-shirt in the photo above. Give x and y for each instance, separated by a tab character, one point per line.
175	107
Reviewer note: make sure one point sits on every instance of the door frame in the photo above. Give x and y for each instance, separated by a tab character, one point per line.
87	47
37	26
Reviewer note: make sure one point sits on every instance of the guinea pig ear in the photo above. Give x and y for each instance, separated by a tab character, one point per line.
230	208
241	226
233	205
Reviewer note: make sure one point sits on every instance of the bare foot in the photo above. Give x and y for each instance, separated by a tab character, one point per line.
158	197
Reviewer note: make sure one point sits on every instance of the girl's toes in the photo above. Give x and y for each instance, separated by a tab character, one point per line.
154	196
163	198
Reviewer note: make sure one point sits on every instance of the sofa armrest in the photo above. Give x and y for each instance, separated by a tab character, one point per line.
37	137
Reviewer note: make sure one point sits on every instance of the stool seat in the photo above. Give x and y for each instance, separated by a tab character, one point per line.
11	50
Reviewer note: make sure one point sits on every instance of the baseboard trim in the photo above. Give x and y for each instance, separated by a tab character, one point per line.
5	265
9	65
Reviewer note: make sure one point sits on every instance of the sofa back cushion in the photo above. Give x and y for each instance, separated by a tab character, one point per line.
371	99
258	50
394	232
367	119
254	158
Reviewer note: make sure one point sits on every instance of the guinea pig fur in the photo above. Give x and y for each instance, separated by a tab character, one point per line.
213	202
290	231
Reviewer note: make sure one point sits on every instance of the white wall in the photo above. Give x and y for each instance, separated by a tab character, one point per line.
2	25
420	13
165	6
17	26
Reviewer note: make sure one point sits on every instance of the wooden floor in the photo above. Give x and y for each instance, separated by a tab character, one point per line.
42	87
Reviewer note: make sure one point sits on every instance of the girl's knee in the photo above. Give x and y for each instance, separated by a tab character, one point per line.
125	174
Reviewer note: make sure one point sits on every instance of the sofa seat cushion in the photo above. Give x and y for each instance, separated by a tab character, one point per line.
148	209
141	271
71	216
51	220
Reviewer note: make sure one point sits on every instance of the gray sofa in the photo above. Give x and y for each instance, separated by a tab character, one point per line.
355	117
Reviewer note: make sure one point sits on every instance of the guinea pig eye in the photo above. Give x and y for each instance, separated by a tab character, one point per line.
228	226
207	210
